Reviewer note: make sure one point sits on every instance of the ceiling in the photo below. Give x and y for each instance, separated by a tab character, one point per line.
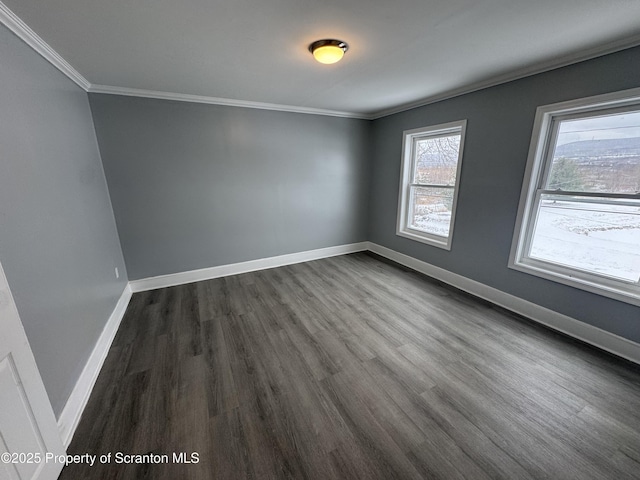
402	52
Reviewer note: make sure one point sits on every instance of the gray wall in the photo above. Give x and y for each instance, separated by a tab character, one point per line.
58	241
197	186
500	121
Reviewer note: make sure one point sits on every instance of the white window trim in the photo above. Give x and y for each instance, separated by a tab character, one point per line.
535	170
408	136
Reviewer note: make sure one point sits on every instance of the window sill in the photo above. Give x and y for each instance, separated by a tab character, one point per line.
630	295
440	242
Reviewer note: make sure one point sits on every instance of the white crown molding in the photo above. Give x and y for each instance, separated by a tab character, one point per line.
184	97
24	32
31	38
528	71
570	326
77	401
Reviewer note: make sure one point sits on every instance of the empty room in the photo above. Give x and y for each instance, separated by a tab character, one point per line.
319	240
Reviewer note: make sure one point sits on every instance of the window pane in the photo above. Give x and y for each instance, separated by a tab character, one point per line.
431	210
436	160
597	154
577	232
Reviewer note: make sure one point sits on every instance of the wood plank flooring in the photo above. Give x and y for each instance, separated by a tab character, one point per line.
353	368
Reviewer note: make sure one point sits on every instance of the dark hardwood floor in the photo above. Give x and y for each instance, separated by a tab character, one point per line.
350	367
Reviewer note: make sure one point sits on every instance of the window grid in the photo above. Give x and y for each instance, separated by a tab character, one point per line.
438	229
608	205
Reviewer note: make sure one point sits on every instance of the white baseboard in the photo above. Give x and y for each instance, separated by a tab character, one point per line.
79	397
587	333
191	276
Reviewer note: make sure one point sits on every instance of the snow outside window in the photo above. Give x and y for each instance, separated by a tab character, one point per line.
579	219
431	160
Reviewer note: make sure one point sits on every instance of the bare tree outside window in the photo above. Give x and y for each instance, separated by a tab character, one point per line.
433	157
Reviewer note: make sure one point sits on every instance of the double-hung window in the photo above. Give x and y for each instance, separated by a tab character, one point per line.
579	216
431	161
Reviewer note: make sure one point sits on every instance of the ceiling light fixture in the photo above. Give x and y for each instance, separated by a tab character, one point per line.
328	51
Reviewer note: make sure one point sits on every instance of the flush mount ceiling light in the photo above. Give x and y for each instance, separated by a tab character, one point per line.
328	51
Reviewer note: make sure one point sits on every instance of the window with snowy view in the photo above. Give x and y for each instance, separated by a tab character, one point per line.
582	218
430	175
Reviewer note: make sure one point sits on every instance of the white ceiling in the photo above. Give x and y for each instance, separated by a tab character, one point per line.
401	52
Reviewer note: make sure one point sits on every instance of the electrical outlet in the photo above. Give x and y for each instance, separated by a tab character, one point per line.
117	273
